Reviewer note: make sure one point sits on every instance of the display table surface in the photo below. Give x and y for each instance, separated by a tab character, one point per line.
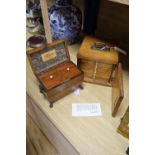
88	135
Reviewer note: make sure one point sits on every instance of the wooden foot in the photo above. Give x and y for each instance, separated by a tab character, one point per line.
51	104
81	86
41	89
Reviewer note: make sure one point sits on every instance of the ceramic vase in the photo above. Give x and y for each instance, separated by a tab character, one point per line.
65	21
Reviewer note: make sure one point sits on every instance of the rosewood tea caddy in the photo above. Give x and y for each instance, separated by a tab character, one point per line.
56	73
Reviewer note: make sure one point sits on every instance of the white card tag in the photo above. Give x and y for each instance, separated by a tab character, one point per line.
86	109
77	91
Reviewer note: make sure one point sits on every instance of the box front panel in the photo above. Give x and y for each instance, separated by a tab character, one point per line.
95	72
62	89
58	75
103	71
87	67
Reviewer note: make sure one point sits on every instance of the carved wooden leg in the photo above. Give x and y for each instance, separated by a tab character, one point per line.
81	86
51	104
41	89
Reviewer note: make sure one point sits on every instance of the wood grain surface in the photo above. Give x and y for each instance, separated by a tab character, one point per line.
64	89
59	75
123	128
95	72
48	128
89	135
37	142
86	52
113	23
126	2
117	89
44	10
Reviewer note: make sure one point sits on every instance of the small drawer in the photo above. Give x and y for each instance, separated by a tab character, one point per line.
50	79
69	71
58	75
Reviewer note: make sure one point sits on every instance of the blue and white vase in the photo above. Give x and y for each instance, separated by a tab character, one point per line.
65	20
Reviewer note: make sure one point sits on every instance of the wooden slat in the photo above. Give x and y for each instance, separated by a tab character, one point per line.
91	135
117	90
123	128
52	133
30	149
43	4
37	143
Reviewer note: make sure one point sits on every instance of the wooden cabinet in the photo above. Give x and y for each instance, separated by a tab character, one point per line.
102	67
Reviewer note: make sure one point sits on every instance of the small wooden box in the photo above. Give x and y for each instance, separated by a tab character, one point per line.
97	66
102	68
56	73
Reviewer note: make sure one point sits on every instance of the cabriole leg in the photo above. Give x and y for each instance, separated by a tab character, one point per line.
41	89
51	104
81	86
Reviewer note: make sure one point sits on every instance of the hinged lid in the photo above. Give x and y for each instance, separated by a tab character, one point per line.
117	89
53	54
87	52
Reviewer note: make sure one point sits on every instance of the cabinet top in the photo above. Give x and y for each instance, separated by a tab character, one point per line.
86	52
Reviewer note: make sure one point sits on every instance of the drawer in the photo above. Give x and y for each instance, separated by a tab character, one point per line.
69	71
58	75
50	79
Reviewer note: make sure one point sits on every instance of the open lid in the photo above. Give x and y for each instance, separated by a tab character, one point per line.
53	54
117	89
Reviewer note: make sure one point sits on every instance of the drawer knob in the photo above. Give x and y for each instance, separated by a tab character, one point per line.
51	76
68	68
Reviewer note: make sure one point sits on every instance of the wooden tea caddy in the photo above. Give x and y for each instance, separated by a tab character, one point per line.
56	73
103	68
